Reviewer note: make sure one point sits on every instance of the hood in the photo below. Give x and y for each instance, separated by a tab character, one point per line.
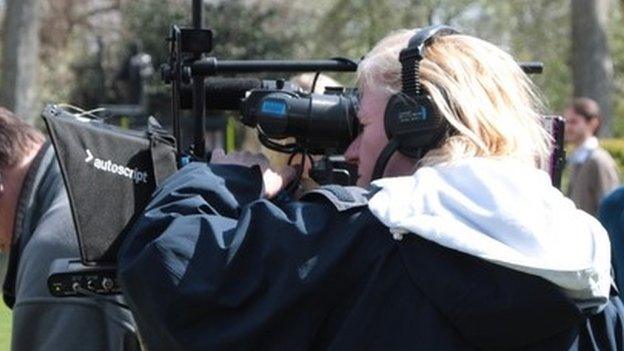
505	212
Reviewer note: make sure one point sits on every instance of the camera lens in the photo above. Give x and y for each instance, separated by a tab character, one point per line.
318	122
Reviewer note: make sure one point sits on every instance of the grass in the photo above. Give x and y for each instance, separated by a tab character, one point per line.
5	327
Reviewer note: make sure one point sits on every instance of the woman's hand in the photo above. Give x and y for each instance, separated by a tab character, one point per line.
274	181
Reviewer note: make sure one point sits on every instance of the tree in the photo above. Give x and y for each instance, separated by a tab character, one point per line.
617	53
20	57
592	66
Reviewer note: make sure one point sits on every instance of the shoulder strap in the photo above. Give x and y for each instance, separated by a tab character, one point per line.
162	149
341	197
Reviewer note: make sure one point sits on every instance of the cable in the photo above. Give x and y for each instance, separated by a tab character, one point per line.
303	153
78	112
293	149
270	144
92	112
384	157
316	77
292	187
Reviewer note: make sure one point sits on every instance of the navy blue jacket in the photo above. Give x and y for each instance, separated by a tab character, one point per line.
611	215
210	265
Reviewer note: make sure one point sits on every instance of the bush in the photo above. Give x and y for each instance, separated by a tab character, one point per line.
616	148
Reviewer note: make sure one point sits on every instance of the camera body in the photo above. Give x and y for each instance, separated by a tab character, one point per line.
320	123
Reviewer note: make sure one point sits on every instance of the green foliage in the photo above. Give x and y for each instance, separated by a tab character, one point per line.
535	30
246	30
531	30
615	147
243	30
149	21
56	77
5	328
351	28
616	39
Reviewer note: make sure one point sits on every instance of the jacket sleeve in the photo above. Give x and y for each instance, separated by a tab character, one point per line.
42	322
58	324
611	216
211	265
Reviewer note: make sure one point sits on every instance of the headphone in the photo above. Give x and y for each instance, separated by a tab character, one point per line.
411	120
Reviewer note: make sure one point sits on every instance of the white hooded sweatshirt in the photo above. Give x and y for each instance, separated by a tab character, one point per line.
505	212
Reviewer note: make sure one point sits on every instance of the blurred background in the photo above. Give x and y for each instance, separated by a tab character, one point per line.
81	52
93	53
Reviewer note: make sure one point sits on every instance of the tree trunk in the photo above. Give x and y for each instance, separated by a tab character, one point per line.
20	57
592	66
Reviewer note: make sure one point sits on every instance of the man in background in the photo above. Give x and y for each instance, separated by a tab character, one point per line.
35	229
593	171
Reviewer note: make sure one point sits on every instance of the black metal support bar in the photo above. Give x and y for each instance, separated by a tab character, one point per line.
211	66
199	93
175	115
170	73
197	14
199	111
532	67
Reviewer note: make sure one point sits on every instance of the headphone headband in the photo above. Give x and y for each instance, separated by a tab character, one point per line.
411	120
411	56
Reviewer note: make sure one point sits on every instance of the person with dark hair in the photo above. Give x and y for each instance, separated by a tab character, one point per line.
593	171
35	229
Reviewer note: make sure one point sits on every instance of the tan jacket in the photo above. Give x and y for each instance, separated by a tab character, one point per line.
592	180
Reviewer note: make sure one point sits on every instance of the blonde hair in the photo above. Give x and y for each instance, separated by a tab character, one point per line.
478	88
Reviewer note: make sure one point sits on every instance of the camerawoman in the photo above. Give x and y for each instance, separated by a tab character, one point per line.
462	243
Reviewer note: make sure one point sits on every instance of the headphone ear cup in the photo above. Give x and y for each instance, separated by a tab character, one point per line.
390	119
413	122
